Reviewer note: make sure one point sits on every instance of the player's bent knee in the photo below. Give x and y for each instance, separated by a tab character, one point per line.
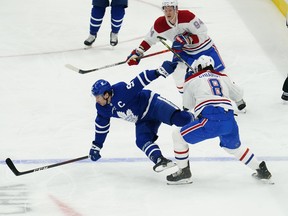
181	118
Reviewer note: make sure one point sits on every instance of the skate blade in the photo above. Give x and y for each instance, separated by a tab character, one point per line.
162	168
264	181
88	47
181	182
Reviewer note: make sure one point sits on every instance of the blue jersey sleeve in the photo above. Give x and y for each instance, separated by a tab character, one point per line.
143	79
102	124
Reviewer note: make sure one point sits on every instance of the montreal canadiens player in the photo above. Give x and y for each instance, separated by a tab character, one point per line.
146	109
209	94
189	37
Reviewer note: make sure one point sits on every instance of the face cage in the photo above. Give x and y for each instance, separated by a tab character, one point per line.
174	7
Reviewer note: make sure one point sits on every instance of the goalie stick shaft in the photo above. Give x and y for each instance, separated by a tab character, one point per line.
12	167
162	40
81	71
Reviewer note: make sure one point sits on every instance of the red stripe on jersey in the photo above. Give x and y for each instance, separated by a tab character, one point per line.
194	127
220	100
161	25
185	16
245	153
201	72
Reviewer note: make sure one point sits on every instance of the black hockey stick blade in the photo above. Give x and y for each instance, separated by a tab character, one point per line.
12	167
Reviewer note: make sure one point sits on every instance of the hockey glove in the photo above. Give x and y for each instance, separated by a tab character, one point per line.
180	41
134	57
94	153
166	69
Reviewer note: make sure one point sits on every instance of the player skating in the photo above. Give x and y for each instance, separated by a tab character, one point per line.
188	33
209	94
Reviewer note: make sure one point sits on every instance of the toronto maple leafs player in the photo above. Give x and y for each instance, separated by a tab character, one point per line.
97	14
190	40
146	109
209	94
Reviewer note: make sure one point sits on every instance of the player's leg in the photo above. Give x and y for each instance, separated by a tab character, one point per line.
191	133
96	18
231	143
181	153
167	112
117	16
146	135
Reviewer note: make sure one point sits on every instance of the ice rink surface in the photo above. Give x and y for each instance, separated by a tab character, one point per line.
47	113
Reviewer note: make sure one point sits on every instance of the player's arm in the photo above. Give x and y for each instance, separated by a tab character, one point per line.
235	92
102	125
136	54
146	77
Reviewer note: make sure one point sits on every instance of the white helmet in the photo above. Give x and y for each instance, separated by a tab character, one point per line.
202	62
169	3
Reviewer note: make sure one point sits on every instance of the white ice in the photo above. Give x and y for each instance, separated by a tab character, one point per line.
47	113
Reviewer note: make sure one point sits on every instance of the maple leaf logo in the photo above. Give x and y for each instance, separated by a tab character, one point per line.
128	116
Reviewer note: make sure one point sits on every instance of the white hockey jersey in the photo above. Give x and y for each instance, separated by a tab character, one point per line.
210	88
187	23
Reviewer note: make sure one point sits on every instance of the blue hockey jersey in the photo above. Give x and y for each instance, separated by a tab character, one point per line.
129	102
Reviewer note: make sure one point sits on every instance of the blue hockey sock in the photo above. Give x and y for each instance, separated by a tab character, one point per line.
97	14
117	15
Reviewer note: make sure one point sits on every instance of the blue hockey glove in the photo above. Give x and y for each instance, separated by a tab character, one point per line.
134	57
166	68
180	41
94	153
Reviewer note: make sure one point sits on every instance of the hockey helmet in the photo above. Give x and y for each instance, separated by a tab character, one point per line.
100	87
202	62
170	3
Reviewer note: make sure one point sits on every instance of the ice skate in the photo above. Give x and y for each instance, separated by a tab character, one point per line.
90	40
113	39
263	173
182	176
162	164
284	96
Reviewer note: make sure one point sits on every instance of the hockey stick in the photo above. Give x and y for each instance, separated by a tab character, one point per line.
162	40
12	167
81	71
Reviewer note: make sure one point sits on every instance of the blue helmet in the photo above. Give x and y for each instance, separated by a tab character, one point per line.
100	87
